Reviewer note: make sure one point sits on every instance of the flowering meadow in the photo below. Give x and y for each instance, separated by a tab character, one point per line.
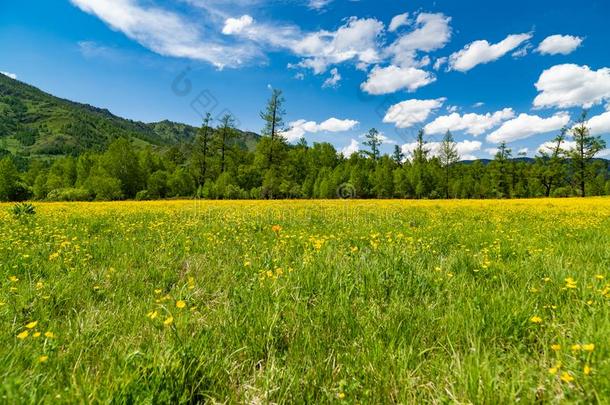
306	301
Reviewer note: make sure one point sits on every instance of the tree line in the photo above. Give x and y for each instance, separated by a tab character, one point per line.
216	166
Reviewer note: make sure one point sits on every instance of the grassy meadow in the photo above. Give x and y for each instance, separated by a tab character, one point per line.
306	301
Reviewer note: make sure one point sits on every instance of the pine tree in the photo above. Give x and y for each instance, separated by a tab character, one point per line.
274	123
225	133
448	156
398	156
373	141
586	148
201	149
549	166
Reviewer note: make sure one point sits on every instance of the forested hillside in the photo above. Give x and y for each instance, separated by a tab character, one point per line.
34	123
99	156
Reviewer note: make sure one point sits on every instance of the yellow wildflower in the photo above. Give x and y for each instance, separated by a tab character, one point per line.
23	335
556	347
168	321
566	377
31	325
152	314
536	319
42	359
180	304
13	279
49	334
588	347
576	347
587	370
36	334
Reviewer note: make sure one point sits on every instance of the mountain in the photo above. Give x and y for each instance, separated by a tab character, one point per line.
35	123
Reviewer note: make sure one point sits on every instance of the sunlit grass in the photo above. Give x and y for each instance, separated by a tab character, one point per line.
354	301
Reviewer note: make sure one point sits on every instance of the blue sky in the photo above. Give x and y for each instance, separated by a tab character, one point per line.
504	71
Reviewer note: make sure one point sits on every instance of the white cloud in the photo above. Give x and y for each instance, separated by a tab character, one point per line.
333	80
356	40
167	33
465	148
523	151
299	128
549	146
11	75
440	62
480	52
318	4
474	124
478	104
237	25
393	78
411	112
432	32
600	124
398	21
571	85
350	149
559	44
525	126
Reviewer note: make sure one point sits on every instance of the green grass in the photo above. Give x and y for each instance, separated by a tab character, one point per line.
355	302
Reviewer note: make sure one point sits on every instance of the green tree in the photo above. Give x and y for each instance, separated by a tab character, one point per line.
273	115
225	133
448	156
373	142
9	180
201	149
587	146
549	166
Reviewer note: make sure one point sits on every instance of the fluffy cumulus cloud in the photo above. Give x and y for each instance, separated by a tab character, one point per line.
393	78
466	149
600	124
525	126
473	124
299	128
333	80
398	21
571	85
356	40
559	44
349	150
430	32
237	25
11	75
480	52
411	112
549	146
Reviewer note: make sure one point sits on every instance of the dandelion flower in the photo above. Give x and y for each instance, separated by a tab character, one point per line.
31	325
588	347
341	395
576	347
36	334
536	319
152	314
168	321
23	335
587	369
566	377
556	347
13	279
43	359
49	334
180	304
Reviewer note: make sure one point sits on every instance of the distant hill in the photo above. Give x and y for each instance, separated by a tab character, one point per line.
33	122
